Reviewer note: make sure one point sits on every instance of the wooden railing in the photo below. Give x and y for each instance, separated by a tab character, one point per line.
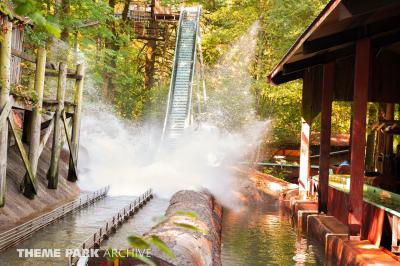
21	232
110	226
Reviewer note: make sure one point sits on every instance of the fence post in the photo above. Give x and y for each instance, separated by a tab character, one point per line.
36	121
5	62
52	175
76	122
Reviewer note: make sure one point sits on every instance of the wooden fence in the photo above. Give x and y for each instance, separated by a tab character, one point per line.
20	233
110	226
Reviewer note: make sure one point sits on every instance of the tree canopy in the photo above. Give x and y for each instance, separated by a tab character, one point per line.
119	61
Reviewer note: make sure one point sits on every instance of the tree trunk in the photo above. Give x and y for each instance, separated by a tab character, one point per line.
369	158
150	52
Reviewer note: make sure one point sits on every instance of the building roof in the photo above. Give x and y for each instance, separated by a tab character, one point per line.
333	33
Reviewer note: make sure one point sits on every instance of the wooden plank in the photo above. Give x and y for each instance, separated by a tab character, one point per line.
20	54
72	173
5	65
351	35
319	59
389	115
30	189
311	94
52	174
70	75
395	233
36	115
325	146
46	136
361	82
4	114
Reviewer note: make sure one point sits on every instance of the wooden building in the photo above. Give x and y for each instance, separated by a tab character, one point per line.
350	52
149	19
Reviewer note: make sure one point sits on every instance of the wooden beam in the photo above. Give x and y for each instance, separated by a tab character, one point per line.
352	35
36	117
70	74
72	172
325	145
50	66
304	171
281	78
28	187
319	59
5	65
361	81
46	136
395	233
389	115
52	174
4	114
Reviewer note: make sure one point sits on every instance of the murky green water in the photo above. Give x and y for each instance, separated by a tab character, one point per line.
263	235
257	235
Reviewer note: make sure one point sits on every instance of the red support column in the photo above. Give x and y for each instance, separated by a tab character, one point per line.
325	145
361	79
304	158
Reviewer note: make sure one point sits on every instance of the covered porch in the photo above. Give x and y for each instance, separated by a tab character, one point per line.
351	52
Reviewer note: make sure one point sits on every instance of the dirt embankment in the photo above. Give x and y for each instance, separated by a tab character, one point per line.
18	208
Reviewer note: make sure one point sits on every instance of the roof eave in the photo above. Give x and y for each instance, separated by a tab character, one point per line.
303	37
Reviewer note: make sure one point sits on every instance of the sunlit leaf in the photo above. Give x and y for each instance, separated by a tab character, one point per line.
138	242
190	227
189	214
53	29
156	241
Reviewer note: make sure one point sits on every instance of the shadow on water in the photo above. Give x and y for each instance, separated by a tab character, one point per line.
262	234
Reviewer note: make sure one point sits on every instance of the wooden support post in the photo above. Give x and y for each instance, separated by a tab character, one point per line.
73	160
370	151
52	175
389	137
304	158
325	145
360	99
29	174
36	121
395	233
5	64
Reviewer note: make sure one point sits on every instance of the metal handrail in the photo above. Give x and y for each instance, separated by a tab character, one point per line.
111	225
173	76
193	67
174	71
21	232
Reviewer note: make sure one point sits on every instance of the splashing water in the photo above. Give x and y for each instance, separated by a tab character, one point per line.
231	103
124	155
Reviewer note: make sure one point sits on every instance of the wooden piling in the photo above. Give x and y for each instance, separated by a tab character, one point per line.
360	100
36	119
52	174
72	175
5	61
325	139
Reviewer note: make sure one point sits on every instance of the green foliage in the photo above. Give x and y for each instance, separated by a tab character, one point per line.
156	241
116	60
30	9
